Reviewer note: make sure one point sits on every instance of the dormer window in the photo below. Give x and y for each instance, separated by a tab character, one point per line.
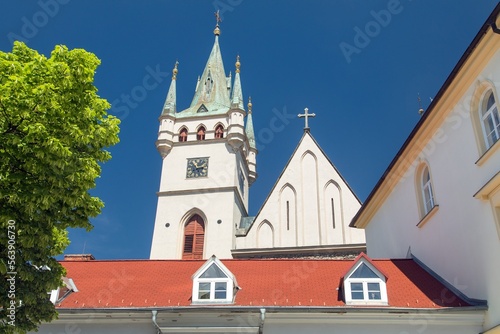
213	283
364	284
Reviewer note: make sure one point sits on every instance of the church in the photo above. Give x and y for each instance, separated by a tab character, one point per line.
209	163
299	265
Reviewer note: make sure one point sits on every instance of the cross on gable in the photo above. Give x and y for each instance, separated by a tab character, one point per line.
306	115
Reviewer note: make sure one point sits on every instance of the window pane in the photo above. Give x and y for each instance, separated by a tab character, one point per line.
374	291
363	271
220	290
213	272
356	286
204	291
491	102
357	291
357	295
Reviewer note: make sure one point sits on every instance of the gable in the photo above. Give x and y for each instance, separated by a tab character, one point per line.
310	204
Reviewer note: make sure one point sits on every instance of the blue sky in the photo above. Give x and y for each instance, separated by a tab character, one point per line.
358	65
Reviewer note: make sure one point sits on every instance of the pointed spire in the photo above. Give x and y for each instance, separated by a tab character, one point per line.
170	106
249	126
211	89
237	99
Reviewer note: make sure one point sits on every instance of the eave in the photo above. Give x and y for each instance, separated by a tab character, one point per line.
460	79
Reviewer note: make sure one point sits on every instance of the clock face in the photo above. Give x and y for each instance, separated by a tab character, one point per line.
197	167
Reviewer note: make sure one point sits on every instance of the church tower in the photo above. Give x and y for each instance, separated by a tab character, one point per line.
209	162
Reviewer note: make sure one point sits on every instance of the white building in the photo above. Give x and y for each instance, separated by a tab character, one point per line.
439	200
259	296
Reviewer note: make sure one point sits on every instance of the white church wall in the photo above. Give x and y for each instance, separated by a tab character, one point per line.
460	241
308	184
219	237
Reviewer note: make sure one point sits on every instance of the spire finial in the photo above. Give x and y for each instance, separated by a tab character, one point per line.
238	64
175	71
217	20
249	104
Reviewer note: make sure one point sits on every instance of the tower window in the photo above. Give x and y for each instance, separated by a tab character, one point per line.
183	135
200	135
219	132
194	235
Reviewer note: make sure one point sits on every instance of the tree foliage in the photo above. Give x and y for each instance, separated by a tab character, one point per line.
53	133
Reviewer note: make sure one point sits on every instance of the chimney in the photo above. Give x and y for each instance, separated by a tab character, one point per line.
79	257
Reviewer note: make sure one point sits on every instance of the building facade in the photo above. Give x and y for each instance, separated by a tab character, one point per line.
441	193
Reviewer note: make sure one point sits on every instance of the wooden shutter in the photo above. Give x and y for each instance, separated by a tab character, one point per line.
194	237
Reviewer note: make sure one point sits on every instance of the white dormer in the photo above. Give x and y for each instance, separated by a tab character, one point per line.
213	283
364	284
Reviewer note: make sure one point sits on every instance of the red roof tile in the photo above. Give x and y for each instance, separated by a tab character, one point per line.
168	283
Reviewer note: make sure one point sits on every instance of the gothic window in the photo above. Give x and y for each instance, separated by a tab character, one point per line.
183	135
490	120
194	235
333	212
219	131
200	135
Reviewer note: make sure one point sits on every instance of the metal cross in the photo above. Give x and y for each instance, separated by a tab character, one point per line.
217	17
306	115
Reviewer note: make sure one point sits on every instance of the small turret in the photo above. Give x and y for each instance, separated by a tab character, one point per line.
252	151
167	117
236	130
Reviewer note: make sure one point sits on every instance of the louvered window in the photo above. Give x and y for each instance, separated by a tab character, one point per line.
194	235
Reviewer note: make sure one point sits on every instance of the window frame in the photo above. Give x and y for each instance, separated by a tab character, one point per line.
201	133
228	279
219	132
365	281
423	187
183	139
426	189
485	113
478	103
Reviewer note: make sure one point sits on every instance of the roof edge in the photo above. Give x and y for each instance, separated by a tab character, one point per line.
449	286
490	22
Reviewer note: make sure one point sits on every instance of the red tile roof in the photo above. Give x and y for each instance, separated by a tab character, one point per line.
263	282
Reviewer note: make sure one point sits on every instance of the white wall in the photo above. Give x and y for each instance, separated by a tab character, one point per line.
460	241
308	184
215	197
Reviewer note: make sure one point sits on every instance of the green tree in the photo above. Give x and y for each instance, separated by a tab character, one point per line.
53	133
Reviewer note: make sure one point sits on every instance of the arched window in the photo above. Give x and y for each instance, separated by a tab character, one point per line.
219	131
427	192
490	119
194	236
200	135
183	135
